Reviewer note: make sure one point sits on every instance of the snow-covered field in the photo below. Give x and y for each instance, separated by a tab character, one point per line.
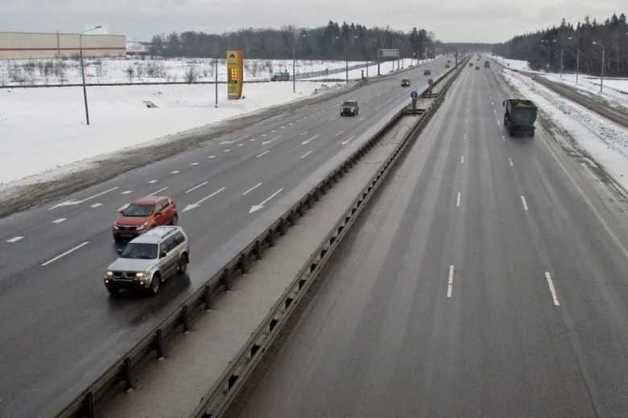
44	129
124	70
604	140
513	64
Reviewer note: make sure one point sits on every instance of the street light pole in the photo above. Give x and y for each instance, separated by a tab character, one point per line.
83	71
216	81
603	64
294	63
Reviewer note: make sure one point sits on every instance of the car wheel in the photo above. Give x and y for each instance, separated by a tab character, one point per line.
182	266
174	220
155	284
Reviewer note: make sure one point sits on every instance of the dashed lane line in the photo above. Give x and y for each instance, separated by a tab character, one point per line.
64	254
249	190
15	239
552	289
198	186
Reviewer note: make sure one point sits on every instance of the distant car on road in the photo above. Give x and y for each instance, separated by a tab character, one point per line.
149	260
142	215
282	76
405	83
427	72
487	64
349	108
477	67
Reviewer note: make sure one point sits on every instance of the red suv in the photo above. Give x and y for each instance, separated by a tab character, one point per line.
143	214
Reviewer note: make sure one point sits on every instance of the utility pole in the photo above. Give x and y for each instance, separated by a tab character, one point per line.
603	65
216	81
562	62
294	63
577	63
83	71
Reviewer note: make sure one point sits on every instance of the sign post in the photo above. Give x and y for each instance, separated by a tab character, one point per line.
414	95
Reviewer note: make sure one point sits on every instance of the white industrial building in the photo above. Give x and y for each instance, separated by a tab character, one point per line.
23	45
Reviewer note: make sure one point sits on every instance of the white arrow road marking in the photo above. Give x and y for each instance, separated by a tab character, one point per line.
260	205
524	203
68	252
198	186
158	191
197	204
307	154
262	154
60	220
346	141
87	199
15	239
251	189
550	284
450	282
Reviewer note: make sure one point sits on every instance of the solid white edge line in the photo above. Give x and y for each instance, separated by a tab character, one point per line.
550	284
68	252
251	189
198	186
524	203
450	282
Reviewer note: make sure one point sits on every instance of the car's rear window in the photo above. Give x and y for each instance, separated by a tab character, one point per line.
350	103
140	251
135	210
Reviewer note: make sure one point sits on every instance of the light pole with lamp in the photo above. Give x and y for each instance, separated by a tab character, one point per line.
603	63
83	70
577	58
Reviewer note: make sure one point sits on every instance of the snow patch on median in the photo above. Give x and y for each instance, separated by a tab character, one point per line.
604	140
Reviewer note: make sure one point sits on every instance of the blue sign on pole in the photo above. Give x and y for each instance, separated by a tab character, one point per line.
414	94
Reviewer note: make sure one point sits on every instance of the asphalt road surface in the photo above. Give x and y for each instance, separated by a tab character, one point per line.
489	278
59	329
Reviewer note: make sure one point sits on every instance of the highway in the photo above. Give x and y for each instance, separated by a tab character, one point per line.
59	329
488	278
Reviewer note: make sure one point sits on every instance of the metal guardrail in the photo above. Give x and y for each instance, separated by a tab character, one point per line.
121	373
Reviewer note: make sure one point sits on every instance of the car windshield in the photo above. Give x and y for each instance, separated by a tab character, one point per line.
350	103
140	251
135	210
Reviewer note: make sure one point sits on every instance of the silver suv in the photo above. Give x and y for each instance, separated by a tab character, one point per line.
149	260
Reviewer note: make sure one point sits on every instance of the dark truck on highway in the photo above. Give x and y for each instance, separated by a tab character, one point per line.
519	116
349	108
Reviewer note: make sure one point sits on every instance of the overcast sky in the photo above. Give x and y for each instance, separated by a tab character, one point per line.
451	20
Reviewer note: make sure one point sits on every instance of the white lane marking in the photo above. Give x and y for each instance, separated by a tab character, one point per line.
153	181
211	157
462	159
450	282
227	142
194	164
310	139
78	202
127	192
260	205
227	150
96	205
264	135
273	131
283	126
550	284
339	133
247	191
68	252
269	141
458	200
198	186
198	203
262	154
346	141
307	154
59	221
510	162
240	145
158	191
175	172
503	138
121	208
524	203
253	139
15	239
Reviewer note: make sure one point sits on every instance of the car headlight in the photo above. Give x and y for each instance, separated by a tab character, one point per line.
108	275
116	227
140	275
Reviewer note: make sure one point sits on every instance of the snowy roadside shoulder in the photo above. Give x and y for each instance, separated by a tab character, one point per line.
605	141
615	89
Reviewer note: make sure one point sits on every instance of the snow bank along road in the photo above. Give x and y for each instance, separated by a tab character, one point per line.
58	327
488	278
